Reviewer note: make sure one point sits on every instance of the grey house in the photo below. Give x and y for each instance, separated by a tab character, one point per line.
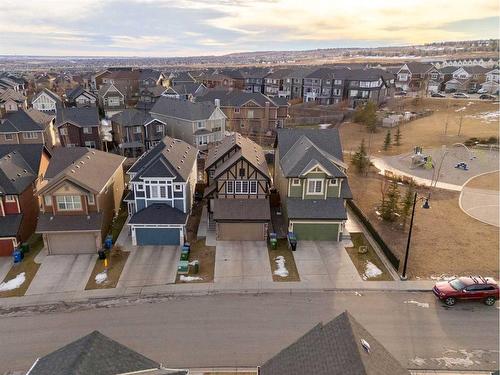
162	186
318	86
197	123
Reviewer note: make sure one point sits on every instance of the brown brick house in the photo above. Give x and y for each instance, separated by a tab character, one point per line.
79	127
21	168
81	192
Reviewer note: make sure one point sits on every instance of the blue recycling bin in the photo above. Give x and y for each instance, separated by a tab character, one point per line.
18	256
108	242
292	241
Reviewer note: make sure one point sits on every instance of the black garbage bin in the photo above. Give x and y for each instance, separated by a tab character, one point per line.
101	254
292	241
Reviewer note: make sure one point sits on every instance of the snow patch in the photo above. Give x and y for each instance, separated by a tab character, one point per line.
487	116
101	277
190	278
419	304
358	294
14	283
418	361
371	270
443	277
281	268
461	109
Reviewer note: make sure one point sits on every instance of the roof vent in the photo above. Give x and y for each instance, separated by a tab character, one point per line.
82	162
93	152
19	175
78	167
365	345
25	171
72	171
88	157
178	167
182	161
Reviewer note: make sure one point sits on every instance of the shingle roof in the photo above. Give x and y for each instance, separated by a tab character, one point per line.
416	67
18	121
132	117
19	166
322	73
159	213
12	94
94	354
182	77
170	157
79	116
476	69
449	69
184	88
72	94
51	94
183	109
40	117
341	346
241	210
111	87
49	223
9	225
330	208
236	98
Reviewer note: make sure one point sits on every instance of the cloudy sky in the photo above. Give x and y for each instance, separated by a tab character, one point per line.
215	27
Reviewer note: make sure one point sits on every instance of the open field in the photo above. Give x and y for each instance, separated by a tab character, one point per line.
444	240
428	131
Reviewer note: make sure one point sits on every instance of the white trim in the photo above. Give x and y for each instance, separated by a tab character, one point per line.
315	180
293	181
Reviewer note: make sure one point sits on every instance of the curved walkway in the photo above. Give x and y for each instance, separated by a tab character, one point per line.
482	204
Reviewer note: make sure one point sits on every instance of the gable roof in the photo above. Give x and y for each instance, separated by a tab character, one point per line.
416	67
183	109
111	87
449	69
184	88
237	98
18	167
18	121
85	167
51	94
132	117
42	118
73	94
12	94
79	116
322	73
169	158
476	69
342	346
93	354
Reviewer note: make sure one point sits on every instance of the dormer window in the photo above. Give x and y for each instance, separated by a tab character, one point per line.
296	182
315	186
200	125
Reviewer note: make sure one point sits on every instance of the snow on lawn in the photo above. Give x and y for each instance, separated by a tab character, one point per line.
487	116
14	283
371	270
190	278
280	263
419	304
101	277
461	109
443	277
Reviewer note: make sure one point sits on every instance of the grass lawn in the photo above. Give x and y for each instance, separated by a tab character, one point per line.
282	249
116	262
360	260
118	222
206	258
28	266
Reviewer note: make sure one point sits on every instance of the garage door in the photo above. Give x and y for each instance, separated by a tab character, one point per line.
6	247
241	231
157	236
72	243
316	232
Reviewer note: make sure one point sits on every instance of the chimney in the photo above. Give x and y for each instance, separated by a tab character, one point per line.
217	103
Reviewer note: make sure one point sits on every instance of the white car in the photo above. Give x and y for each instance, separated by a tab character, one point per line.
482	91
460	95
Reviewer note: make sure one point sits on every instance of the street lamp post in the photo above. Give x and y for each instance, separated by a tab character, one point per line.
425	206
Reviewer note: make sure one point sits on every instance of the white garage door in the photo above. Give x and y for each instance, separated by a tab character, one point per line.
74	243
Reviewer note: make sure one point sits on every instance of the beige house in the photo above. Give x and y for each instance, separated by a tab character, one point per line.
18	127
79	196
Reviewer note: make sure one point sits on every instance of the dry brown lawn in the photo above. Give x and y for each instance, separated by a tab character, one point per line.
116	262
206	258
445	240
488	181
283	250
427	132
360	260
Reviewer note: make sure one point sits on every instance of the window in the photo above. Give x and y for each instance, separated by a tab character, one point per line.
229	187
63	131
9	137
90	144
338	82
159	128
87	130
364	84
113	102
90	198
296	182
137	130
140	187
177	187
163	191
200	125
253	187
48	200
333	182
353	93
211	173
336	92
250	113
69	203
154	191
30	135
10	198
315	187
236	110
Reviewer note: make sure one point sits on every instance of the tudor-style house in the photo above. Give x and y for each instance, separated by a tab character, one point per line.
21	169
414	76
197	123
162	186
79	196
79	127
18	127
46	101
310	175
79	97
135	131
111	98
238	185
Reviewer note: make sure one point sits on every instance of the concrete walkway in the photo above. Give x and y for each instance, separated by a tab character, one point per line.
5	266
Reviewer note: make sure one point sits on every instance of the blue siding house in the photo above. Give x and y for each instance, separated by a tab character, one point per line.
162	184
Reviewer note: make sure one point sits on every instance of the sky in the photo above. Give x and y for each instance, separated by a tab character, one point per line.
215	27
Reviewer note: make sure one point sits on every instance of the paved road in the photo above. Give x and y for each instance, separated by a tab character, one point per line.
244	330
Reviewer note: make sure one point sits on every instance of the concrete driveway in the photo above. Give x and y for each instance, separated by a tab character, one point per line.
150	265
62	273
324	262
5	266
237	261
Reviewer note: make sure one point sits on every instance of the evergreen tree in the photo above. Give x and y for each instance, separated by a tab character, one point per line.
360	159
387	141
390	204
407	202
367	115
397	137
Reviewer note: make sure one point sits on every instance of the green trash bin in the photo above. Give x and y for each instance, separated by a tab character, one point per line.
25	248
183	267
184	256
196	267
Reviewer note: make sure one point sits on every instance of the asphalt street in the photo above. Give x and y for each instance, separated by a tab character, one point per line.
245	330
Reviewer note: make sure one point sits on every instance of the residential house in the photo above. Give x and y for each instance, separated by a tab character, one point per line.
318	86
79	196
255	79
238	184
310	176
79	127
13	81
225	79
275	83
11	100
414	76
19	128
492	81
249	113
46	101
135	131
21	169
468	77
176	78
162	185
185	90
79	97
148	96
111	99
293	83
150	78
446	74
342	78
370	84
97	354
487	62
341	346
126	79
197	123
47	121
493	75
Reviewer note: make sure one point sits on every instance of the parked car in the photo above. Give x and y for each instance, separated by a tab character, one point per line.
472	91
438	95
470	288
460	95
400	93
482	91
487	97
